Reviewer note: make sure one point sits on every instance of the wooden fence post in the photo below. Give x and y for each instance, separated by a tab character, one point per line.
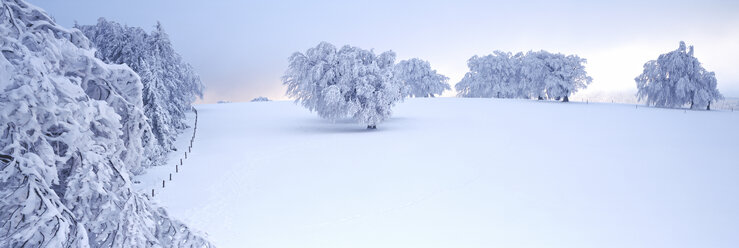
163	183
152	192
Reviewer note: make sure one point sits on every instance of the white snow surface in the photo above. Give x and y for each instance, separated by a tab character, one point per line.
451	172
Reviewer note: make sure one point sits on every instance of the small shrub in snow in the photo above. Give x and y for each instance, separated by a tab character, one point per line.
675	79
260	99
419	80
347	82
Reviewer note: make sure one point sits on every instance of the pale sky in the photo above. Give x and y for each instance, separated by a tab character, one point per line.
240	48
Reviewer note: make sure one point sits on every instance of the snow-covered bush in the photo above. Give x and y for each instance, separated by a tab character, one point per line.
70	133
348	82
170	85
535	74
260	99
675	79
419	80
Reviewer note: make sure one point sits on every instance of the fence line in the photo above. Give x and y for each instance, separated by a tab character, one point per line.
728	104
189	149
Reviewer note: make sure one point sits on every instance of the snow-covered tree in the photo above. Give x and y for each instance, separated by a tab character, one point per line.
534	74
349	82
494	75
419	80
70	133
675	79
564	74
170	85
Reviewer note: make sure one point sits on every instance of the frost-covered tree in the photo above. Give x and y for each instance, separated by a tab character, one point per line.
419	80
68	129
534	74
170	85
495	75
348	82
675	79
563	74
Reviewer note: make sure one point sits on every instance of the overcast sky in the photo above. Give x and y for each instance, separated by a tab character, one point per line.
240	48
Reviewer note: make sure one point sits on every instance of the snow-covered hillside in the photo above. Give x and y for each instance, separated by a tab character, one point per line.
450	172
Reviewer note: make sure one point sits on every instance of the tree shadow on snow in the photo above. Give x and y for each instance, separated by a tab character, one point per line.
318	125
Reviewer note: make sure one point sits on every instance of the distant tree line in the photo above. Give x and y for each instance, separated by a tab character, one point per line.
351	82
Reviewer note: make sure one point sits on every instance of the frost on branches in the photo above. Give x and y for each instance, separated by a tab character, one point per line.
169	84
419	80
348	82
676	79
541	75
70	133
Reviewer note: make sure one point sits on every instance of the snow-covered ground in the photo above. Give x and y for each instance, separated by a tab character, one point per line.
450	172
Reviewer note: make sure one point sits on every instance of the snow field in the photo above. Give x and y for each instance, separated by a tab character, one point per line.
451	172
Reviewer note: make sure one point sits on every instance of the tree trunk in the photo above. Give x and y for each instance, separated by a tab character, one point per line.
371	127
540	98
691	104
709	106
566	99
